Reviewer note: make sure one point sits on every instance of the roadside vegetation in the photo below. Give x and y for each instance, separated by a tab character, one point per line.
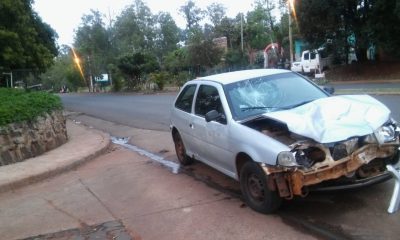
139	49
18	105
366	71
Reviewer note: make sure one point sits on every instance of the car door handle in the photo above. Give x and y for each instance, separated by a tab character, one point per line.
191	126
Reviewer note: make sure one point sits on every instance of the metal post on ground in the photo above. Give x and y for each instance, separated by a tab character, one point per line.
11	78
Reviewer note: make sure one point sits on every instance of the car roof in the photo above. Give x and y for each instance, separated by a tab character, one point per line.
230	77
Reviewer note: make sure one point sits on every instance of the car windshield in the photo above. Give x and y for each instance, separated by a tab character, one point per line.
276	92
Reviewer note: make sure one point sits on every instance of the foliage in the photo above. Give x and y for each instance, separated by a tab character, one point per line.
134	66
91	42
203	52
177	61
160	79
235	58
371	22
192	14
167	35
134	29
18	105
25	40
64	72
216	12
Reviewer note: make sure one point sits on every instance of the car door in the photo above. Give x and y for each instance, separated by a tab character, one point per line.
182	116
213	137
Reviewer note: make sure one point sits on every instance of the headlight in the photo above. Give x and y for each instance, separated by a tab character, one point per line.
386	133
286	159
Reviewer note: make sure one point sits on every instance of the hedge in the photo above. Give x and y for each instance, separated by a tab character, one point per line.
18	105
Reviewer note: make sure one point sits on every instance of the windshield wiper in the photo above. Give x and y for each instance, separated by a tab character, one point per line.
297	104
256	107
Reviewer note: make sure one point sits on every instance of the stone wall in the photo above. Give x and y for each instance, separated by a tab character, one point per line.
19	141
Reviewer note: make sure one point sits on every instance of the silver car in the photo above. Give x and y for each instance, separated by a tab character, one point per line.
281	135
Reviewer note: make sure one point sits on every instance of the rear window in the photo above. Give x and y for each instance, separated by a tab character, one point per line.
185	99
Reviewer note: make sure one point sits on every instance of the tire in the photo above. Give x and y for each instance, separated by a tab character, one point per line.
257	195
181	150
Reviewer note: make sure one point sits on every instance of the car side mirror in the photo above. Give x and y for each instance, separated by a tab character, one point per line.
214	115
329	90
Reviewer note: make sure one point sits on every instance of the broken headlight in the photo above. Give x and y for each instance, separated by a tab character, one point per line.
301	157
387	133
286	159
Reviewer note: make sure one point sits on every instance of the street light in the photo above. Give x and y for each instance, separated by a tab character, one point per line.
11	76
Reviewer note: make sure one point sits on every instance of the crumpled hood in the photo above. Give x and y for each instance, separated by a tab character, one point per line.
335	118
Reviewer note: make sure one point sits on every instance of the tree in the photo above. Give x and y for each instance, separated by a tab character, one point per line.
372	22
64	72
192	14
134	66
202	53
216	12
167	35
134	29
91	41
25	40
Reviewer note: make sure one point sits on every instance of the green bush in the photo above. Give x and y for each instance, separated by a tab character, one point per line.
18	106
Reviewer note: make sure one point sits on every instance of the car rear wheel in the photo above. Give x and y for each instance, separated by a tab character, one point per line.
257	195
180	150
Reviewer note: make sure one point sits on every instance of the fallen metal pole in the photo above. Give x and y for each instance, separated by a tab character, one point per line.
395	200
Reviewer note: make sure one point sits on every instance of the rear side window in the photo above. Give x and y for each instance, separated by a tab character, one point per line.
185	99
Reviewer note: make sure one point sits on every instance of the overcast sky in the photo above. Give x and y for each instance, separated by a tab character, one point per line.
65	15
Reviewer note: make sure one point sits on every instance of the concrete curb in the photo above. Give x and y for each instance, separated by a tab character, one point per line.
84	144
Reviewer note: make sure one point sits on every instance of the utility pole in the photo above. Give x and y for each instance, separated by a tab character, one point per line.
241	30
290	2
91	89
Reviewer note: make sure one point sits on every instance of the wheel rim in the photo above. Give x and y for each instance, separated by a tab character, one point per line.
256	188
179	148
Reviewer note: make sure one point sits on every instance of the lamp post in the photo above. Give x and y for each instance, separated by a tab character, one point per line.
11	76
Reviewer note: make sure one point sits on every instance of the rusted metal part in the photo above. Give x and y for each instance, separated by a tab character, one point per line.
282	184
298	178
395	200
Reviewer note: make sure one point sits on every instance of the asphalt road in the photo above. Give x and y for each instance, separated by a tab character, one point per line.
151	111
139	111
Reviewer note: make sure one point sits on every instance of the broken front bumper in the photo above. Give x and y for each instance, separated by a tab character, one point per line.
290	182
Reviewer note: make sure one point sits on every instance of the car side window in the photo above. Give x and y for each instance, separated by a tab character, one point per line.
313	55
306	56
207	99
185	99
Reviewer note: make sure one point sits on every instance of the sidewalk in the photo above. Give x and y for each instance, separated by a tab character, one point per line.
83	145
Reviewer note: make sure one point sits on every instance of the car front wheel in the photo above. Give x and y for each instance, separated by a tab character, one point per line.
180	150
257	195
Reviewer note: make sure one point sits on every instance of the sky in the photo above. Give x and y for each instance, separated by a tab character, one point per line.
65	15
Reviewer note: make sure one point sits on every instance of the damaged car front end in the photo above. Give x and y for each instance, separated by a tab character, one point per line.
351	163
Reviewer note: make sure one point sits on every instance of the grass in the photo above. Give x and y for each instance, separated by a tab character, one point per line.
18	105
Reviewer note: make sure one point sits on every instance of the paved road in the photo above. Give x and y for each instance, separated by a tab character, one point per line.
139	111
150	111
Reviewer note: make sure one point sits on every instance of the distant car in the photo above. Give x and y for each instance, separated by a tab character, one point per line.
296	67
280	134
